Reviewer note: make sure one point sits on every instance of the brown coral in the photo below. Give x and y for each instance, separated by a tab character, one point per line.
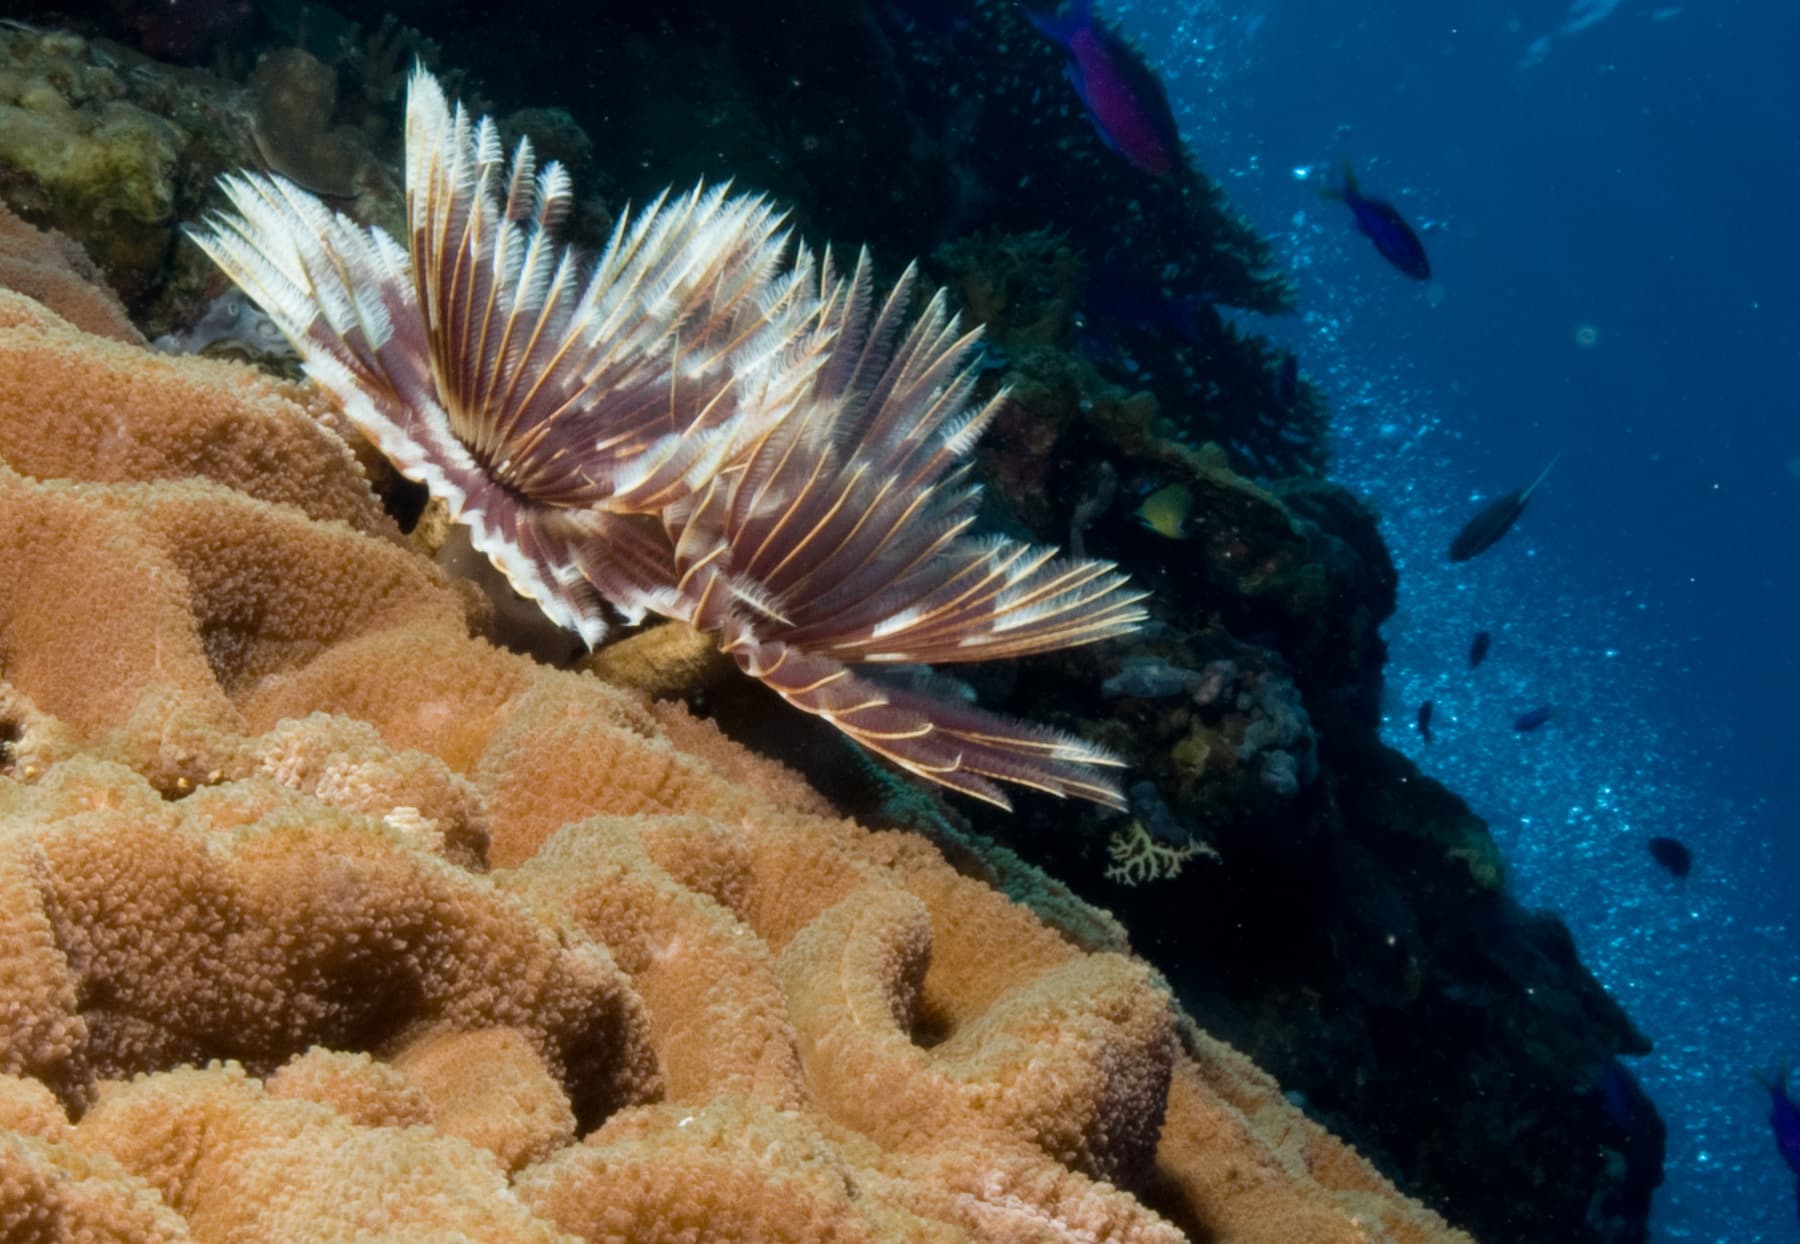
54	270
257	772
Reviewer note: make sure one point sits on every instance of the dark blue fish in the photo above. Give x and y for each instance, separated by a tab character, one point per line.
1478	650
1673	855
1620	1097
1284	385
1384	226
1120	293
1494	520
1629	1125
1124	97
1784	1121
1425	711
1159	822
1532	720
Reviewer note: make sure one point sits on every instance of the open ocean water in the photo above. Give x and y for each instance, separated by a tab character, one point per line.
1609	193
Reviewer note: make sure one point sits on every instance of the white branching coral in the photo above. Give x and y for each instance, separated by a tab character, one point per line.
695	428
1138	857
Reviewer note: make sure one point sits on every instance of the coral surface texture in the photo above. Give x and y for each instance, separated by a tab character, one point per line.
322	918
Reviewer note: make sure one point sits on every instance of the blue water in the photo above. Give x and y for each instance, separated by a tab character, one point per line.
1609	192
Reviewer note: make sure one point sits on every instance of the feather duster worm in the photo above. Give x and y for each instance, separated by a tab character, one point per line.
843	540
534	402
693	429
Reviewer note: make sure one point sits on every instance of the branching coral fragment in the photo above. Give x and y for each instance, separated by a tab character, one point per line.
1138	857
1154	844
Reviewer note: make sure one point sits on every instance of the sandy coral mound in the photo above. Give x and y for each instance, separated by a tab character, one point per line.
321	918
46	266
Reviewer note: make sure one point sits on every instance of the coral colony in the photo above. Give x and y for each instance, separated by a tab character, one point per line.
694	429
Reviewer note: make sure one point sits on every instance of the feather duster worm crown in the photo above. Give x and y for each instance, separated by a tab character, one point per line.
693	428
485	367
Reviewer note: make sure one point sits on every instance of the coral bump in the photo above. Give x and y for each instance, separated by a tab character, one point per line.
693	428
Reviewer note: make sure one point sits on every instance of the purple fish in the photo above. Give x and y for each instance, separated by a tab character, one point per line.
1123	95
1784	1121
1384	226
